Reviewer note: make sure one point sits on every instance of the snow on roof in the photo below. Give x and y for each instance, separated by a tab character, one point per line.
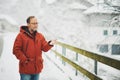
116	2
111	40
8	18
101	8
77	5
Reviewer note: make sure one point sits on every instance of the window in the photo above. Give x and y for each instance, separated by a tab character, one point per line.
103	48
105	32
115	32
116	49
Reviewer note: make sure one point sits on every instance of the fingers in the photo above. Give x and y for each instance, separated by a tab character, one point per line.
54	41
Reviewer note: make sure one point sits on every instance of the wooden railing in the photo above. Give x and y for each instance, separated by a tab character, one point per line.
97	57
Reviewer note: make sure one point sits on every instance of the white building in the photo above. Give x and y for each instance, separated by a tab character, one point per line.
104	24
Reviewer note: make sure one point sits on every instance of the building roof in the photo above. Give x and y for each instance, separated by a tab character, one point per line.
111	40
101	8
77	5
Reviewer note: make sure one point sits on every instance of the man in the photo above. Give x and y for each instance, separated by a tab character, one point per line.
28	48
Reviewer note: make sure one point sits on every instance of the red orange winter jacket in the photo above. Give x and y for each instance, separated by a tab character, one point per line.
29	48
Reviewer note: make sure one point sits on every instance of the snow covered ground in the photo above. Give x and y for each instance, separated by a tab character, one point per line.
9	64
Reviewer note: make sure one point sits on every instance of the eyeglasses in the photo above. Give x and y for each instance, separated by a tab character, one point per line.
34	23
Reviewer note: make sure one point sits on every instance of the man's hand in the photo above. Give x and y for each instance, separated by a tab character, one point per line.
52	42
28	60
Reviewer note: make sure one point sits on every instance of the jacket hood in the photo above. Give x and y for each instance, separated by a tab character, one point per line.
24	29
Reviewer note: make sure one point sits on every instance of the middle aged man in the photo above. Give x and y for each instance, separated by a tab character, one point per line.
28	47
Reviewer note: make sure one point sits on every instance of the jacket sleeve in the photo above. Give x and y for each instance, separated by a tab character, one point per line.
17	49
45	45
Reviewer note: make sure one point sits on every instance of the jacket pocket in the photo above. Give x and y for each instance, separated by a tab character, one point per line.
39	65
29	67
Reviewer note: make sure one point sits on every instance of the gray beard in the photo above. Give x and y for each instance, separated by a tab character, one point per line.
34	30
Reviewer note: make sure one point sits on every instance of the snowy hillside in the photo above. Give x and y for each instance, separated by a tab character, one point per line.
58	19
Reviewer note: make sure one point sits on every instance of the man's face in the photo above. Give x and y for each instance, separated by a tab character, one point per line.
33	25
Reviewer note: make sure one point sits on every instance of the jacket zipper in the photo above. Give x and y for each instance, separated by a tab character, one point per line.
35	56
34	51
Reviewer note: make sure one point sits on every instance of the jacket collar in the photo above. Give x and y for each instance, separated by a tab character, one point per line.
24	29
